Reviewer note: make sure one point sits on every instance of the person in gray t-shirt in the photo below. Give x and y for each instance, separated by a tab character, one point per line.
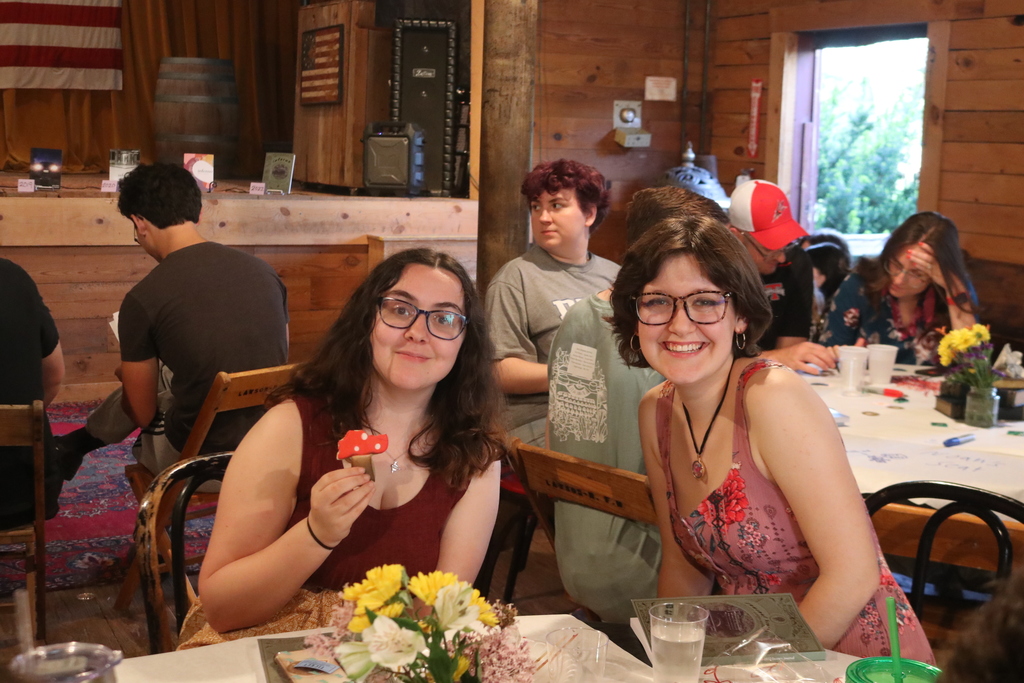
530	295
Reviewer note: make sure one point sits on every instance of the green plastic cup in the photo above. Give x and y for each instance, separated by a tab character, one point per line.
879	670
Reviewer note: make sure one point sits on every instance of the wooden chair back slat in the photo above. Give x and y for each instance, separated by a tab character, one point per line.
22	425
548	476
16	427
233	392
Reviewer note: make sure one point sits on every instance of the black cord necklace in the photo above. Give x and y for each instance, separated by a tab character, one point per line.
697	468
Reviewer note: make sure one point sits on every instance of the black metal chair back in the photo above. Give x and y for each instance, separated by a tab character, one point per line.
180	479
983	504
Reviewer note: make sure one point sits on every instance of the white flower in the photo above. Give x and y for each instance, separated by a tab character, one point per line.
354	658
392	646
454	607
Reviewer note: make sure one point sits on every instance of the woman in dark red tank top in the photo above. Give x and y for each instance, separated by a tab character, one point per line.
747	469
408	357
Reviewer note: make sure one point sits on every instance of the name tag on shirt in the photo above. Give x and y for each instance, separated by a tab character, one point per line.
582	361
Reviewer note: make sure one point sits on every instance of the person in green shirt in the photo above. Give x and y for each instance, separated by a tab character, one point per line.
605	560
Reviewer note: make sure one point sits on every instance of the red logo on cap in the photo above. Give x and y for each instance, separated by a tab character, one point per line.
780	210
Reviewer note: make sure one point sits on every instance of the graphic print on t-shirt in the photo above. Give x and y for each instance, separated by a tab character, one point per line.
563	306
774	290
578	405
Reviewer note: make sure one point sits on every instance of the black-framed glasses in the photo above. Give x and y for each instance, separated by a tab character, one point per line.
401	315
772	255
895	269
704	307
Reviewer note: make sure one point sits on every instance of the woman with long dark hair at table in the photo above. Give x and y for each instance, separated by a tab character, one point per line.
409	357
917	285
749	475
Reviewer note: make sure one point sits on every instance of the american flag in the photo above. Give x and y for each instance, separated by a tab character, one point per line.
61	44
320	79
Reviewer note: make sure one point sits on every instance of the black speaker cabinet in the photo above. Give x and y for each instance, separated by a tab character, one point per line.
423	92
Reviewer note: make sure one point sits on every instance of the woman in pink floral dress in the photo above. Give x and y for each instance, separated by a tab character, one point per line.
749	474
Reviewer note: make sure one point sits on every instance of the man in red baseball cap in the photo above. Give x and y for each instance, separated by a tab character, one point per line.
760	217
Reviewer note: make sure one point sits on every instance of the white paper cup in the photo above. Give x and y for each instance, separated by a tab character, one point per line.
577	655
677	641
853	362
881	361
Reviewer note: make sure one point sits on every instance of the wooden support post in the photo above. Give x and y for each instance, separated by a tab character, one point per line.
506	135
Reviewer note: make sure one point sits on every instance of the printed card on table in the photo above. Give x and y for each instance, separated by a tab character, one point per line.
201	168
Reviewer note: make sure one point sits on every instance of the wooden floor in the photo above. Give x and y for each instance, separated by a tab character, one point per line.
87	614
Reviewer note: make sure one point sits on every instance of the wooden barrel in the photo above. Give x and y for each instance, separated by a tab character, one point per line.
196	111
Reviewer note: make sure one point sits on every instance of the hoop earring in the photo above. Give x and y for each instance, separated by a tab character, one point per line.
637	349
741	344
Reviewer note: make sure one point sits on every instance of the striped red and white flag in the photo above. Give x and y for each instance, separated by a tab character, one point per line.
61	44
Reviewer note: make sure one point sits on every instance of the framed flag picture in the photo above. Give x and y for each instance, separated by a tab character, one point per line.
321	68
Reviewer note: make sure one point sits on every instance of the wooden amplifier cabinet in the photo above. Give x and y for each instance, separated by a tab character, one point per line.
339	93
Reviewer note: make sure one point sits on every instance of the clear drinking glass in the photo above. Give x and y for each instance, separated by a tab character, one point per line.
67	662
677	641
586	648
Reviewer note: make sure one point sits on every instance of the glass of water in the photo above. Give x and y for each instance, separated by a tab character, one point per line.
677	641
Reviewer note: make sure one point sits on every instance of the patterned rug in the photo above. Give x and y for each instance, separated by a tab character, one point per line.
87	543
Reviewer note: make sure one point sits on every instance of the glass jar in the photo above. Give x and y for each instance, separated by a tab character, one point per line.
982	409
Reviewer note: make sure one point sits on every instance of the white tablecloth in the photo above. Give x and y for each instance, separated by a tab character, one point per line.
239	661
901	443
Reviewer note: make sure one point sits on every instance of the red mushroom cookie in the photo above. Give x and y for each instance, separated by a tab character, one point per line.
358	448
358	442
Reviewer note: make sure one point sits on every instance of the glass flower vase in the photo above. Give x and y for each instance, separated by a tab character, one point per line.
982	409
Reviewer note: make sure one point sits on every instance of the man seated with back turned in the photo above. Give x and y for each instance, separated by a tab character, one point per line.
204	309
760	217
31	369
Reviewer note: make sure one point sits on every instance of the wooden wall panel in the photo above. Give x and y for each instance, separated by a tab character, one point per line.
593	54
83	286
987	34
977	175
987	65
983	157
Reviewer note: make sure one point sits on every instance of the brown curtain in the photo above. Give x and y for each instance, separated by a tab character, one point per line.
259	36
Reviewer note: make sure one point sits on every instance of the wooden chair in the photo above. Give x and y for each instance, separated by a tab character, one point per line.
230	391
23	426
175	486
964	519
548	476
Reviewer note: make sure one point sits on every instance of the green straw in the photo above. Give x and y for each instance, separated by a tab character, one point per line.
894	641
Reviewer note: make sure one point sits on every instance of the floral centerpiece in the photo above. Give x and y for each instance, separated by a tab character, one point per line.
431	628
967	353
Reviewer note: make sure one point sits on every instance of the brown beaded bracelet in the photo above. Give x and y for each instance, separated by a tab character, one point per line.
318	541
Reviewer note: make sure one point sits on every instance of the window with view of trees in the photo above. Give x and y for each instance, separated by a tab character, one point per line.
870	101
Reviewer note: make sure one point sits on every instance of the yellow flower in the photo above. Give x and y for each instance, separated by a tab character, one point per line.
460	668
360	622
945	351
487	615
425	586
380	585
961	339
